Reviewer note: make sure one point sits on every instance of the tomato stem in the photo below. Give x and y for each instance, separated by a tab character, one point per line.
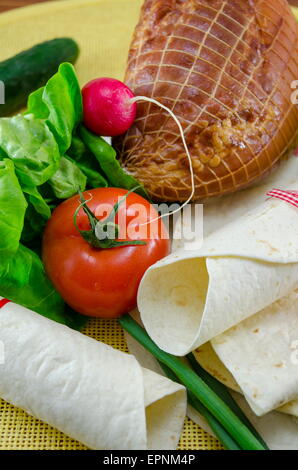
103	233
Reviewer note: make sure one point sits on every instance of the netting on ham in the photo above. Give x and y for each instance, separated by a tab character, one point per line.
225	68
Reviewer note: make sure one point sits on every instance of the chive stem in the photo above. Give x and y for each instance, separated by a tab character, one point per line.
215	405
227	441
221	390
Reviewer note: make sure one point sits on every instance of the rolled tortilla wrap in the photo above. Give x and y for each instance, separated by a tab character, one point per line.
209	360
84	388
262	355
280	431
190	297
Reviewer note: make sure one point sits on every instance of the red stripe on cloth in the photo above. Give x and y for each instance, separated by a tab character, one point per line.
291	197
286	196
4	302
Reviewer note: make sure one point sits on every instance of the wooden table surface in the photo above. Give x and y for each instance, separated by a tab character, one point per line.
10	4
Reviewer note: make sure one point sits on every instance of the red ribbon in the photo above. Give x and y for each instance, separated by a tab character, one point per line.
4	302
291	197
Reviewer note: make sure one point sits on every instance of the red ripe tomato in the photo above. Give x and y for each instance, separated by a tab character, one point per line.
102	282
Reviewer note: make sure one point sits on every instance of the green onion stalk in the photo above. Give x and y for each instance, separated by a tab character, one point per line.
197	389
227	441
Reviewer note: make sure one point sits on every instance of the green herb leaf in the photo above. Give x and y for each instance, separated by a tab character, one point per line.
87	163
37	214
106	157
62	95
67	179
60	103
34	225
37	201
36	106
94	178
12	210
24	282
31	146
32	176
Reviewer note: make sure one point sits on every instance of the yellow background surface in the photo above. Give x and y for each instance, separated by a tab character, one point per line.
103	29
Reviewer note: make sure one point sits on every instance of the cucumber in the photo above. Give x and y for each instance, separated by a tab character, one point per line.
31	69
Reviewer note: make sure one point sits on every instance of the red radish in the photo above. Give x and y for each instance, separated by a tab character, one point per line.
107	107
110	109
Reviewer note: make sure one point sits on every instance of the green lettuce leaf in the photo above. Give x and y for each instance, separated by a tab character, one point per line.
88	164
34	225
60	104
67	179
37	214
33	173
25	282
31	146
12	211
78	151
36	106
106	157
38	202
94	178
